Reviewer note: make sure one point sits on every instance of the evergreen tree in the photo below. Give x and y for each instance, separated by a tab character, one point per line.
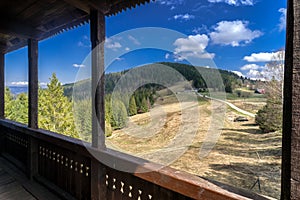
8	103
108	116
132	106
83	119
55	110
119	115
144	105
17	110
269	118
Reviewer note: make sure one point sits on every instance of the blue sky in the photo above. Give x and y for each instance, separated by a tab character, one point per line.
236	35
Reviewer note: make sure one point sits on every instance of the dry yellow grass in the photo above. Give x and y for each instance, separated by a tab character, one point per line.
241	155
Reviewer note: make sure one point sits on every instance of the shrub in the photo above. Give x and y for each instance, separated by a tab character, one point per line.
269	118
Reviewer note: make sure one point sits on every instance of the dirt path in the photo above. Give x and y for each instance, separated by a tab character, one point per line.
230	105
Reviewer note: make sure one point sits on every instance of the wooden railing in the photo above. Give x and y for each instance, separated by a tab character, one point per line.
67	167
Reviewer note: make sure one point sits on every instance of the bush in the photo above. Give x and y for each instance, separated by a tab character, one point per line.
243	94
269	118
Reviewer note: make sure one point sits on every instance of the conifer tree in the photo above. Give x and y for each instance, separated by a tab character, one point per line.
55	110
8	101
144	105
17	110
132	106
83	119
119	115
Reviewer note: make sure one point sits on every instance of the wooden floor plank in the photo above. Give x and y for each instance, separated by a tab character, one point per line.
14	185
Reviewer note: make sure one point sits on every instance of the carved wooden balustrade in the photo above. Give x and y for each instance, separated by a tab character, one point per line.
66	167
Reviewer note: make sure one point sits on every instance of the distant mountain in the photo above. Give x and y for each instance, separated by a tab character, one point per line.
201	78
15	90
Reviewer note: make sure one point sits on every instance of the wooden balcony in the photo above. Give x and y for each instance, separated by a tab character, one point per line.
66	167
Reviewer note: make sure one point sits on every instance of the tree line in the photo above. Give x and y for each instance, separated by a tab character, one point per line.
67	109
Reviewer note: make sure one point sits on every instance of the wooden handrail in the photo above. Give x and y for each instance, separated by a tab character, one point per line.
174	180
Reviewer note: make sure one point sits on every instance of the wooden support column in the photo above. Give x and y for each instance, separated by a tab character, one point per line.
2	98
32	155
97	25
33	83
290	176
293	61
2	87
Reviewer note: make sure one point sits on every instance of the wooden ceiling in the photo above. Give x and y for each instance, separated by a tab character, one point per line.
41	19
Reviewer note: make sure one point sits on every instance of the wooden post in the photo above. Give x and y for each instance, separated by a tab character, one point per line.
290	176
2	87
97	25
33	83
32	155
2	98
293	63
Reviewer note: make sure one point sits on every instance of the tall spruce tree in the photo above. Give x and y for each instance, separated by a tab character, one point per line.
144	105
55	110
132	106
119	115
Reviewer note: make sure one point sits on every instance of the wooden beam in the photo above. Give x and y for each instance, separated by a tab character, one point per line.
97	25
33	83
18	29
87	5
103	6
2	87
79	4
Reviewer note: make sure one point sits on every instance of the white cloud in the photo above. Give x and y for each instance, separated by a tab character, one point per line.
43	84
25	83
192	47
251	66
170	2
80	44
282	20
172	8
234	2
255	74
119	59
234	33
110	43
239	73
202	28
265	57
134	40
84	42
19	83
127	49
78	65
184	17
167	56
